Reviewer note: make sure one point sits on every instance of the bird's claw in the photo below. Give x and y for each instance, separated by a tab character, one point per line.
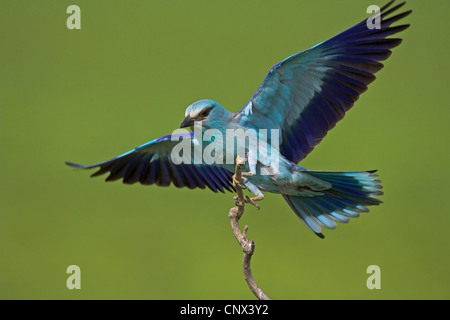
247	199
253	201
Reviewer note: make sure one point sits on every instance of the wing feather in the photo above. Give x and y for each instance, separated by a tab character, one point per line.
308	93
151	163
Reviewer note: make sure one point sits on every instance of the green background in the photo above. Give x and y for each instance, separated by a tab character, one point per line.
126	78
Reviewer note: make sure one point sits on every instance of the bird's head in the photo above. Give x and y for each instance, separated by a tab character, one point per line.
205	113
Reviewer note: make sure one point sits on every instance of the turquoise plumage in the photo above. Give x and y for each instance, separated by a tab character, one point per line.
300	100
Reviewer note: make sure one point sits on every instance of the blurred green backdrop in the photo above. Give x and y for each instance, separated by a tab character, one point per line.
126	77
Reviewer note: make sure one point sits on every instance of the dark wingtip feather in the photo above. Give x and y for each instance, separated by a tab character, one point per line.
393	9
78	166
387	5
99	172
400	16
112	177
70	164
320	235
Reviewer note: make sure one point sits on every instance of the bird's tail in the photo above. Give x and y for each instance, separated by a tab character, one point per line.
351	193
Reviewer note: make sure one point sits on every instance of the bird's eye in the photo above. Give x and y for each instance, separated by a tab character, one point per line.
205	112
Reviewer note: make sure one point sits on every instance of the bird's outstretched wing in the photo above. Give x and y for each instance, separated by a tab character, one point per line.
152	163
308	93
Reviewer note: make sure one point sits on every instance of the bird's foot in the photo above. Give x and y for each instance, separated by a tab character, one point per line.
247	174
236	182
252	201
242	184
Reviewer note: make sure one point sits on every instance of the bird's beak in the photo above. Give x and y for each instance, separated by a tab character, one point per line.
187	122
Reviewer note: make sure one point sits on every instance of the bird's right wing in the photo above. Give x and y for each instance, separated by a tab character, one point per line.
152	163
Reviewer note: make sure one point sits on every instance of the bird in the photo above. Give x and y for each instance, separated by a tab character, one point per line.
300	100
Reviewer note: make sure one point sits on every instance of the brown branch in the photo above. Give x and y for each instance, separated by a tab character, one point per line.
247	246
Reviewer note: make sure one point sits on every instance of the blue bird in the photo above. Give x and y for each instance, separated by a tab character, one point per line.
300	100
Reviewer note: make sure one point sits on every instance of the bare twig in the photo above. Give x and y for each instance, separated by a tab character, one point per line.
247	246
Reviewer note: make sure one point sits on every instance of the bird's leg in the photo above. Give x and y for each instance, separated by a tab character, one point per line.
255	190
241	182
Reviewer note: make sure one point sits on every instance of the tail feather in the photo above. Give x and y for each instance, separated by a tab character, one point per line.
351	194
304	214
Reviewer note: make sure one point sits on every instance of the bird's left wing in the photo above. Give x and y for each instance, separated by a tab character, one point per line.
152	163
305	95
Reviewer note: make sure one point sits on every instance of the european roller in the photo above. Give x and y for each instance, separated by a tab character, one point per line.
300	100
